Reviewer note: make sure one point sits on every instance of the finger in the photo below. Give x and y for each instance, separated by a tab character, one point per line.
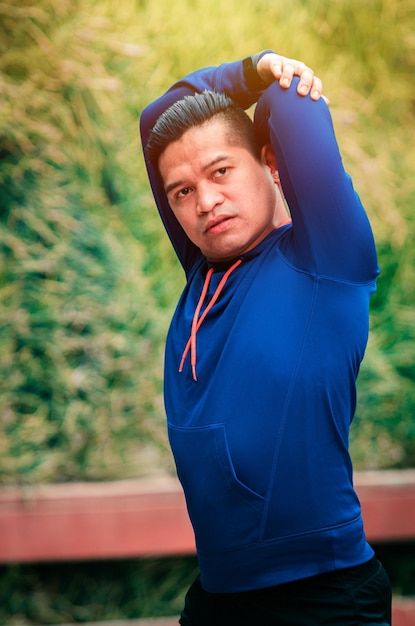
288	71
306	81
316	88
276	67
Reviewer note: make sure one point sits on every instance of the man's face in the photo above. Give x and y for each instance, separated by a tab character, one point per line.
223	197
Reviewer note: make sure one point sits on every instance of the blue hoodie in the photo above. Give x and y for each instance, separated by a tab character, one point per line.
260	439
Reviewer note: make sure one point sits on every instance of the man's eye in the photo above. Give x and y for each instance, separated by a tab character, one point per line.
221	171
183	192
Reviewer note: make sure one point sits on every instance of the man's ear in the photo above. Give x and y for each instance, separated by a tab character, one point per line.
269	159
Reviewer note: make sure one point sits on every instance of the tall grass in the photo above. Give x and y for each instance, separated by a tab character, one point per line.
88	279
79	324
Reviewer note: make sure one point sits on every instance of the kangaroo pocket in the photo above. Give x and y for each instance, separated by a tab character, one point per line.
225	513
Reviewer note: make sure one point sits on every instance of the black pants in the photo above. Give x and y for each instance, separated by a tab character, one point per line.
349	597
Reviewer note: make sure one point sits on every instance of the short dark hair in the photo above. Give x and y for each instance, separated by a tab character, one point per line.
196	110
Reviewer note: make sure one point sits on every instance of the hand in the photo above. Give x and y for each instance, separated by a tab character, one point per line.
276	67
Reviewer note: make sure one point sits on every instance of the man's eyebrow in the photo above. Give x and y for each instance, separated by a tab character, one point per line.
179	183
215	161
169	188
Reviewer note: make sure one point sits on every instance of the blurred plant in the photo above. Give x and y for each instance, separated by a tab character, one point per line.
79	336
88	278
110	590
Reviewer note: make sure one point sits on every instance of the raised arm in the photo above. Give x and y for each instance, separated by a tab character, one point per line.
331	232
239	80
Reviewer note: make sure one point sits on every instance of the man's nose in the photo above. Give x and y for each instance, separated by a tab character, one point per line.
208	197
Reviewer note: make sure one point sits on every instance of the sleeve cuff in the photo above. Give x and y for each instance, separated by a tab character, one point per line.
252	78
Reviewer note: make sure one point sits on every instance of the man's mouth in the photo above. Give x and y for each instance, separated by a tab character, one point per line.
217	225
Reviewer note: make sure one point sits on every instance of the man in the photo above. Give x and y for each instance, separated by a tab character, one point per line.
265	345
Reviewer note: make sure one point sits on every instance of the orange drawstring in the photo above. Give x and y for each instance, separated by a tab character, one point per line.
197	322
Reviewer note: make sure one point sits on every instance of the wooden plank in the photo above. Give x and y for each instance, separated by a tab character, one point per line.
136	518
388	504
94	520
403	612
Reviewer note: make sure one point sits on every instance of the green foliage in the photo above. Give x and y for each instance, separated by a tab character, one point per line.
87	277
109	590
80	337
76	337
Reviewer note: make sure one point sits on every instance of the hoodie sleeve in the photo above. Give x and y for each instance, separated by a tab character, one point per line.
331	234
